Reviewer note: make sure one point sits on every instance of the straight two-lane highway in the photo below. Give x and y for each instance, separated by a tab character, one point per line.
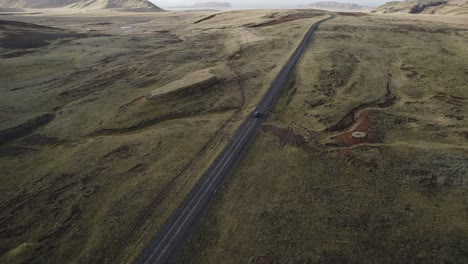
173	234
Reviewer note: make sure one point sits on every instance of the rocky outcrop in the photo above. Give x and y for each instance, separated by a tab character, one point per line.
436	7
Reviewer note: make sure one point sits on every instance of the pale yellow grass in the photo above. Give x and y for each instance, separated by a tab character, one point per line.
188	80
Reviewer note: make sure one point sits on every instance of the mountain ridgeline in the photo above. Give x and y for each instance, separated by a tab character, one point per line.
335	6
436	7
81	4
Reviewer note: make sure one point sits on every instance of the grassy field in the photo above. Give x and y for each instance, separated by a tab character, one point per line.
93	158
309	190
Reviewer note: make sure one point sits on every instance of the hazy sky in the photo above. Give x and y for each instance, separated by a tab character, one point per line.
265	3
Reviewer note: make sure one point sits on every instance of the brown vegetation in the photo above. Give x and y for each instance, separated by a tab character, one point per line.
311	189
135	122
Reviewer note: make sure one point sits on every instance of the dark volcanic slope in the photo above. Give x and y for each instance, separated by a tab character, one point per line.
81	4
437	7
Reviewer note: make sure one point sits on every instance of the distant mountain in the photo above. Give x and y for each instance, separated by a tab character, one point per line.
335	6
81	4
7	9
206	5
437	7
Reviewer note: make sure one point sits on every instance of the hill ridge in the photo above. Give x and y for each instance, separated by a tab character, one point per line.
334	5
436	7
80	4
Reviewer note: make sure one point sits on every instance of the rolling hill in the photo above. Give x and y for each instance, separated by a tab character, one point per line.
206	5
436	7
80	4
335	6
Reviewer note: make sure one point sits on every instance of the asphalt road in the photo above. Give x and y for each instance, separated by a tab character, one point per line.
165	246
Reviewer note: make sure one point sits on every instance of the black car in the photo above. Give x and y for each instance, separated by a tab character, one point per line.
257	114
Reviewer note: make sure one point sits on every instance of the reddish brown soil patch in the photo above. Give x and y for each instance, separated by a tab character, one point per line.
313	133
347	121
262	260
390	99
347	139
465	134
344	123
343	151
286	136
86	180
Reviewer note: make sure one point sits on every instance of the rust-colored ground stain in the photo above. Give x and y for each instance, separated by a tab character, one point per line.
313	134
347	121
346	138
390	100
343	151
344	123
262	260
465	134
286	136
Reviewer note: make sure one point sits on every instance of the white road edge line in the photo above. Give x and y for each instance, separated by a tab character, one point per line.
191	201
